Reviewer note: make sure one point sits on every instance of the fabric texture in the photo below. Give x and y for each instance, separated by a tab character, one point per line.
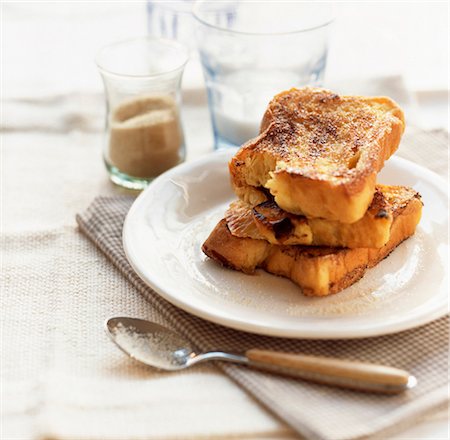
313	411
63	379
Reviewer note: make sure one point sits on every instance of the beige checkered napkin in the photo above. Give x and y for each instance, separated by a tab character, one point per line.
315	411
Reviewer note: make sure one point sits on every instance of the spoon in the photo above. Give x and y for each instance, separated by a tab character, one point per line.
159	347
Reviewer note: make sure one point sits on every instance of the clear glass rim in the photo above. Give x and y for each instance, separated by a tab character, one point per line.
165	41
196	15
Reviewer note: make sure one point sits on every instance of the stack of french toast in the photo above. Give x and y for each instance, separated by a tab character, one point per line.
309	206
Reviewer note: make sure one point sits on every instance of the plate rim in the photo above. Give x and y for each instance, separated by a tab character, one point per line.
211	315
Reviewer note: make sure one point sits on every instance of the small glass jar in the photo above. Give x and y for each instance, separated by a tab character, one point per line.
144	136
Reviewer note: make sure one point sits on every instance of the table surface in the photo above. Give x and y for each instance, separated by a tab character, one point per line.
53	114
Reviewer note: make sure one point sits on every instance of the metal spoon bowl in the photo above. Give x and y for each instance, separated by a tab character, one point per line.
159	347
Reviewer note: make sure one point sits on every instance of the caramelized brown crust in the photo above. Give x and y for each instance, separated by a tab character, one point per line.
318	153
319	271
269	222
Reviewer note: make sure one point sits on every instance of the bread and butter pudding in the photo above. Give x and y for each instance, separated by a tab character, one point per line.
318	270
267	221
319	153
309	208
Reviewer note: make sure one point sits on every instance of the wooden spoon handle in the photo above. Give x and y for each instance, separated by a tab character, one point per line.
337	372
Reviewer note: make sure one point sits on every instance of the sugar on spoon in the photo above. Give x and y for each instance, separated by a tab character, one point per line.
159	347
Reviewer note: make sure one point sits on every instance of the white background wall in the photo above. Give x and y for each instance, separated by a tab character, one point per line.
380	38
50	47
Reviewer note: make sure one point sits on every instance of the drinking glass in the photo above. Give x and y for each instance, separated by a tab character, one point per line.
143	136
172	19
251	51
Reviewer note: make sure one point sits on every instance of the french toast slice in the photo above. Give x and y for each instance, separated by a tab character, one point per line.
318	153
319	271
267	221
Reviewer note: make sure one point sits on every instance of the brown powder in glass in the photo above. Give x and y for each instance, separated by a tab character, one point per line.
145	136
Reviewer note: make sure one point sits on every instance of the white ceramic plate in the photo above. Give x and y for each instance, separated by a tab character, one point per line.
170	220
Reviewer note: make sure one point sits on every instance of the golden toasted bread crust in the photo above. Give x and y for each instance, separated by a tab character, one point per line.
269	222
319	271
244	254
318	153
